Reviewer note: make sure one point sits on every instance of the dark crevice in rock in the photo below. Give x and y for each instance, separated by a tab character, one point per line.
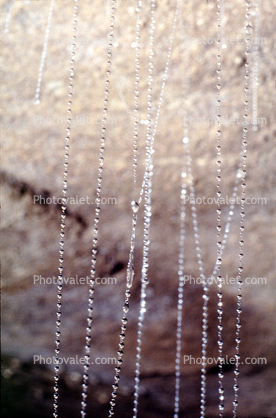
117	267
22	188
227	367
242	62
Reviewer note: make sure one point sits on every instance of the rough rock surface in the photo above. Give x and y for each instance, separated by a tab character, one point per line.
32	165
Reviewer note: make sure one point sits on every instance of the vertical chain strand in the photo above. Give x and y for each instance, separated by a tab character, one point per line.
255	69
147	213
136	97
183	194
151	132
181	276
63	213
44	53
135	209
248	30
219	278
97	215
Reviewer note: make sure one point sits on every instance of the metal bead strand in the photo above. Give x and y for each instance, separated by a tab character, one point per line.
180	289
195	221
165	75
147	189
181	245
248	30
222	17
120	353
194	211
44	52
135	205
97	214
203	278
199	252
161	92
129	282
136	98
186	142
219	279
63	212
189	172
163	79
147	213
199	257
135	209
200	263
255	69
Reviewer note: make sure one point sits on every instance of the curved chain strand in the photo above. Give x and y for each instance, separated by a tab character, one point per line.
219	278
181	280
136	97
96	220
248	30
147	188
44	53
63	213
147	213
255	69
135	208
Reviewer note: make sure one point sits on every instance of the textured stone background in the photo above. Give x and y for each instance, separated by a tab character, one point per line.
32	164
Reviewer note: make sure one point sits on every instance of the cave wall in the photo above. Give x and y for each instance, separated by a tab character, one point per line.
32	165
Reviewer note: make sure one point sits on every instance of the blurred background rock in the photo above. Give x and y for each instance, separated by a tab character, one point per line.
32	164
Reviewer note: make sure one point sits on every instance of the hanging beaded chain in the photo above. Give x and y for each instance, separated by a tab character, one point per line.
190	176
199	259
147	212
161	93
222	17
63	212
147	189
255	69
182	235
136	98
249	31
135	208
44	53
219	278
8	19
200	265
180	294
96	220
181	258
122	97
